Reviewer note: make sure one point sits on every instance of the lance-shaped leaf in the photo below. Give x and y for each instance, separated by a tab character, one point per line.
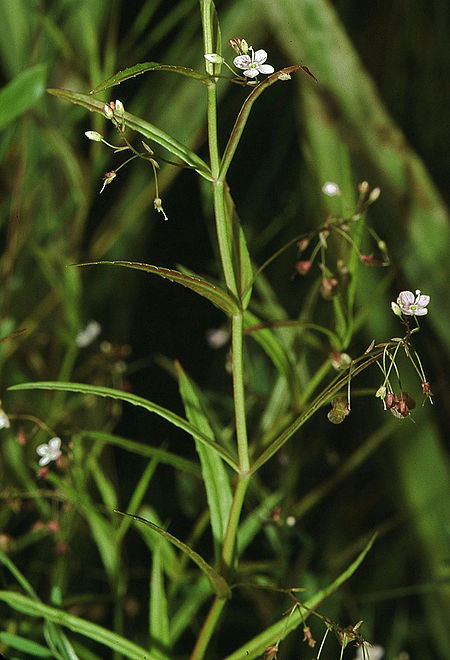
244	113
119	644
215	477
279	630
217	582
211	292
141	126
135	400
144	67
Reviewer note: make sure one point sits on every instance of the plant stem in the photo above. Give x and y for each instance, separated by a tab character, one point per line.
225	242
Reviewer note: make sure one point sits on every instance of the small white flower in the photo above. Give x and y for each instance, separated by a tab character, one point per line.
411	305
217	337
87	336
331	189
368	652
4	420
50	452
254	64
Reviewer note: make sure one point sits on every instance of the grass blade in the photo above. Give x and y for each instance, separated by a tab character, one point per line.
214	474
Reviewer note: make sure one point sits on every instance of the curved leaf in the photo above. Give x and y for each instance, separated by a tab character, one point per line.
218	583
135	400
212	292
145	128
144	67
93	631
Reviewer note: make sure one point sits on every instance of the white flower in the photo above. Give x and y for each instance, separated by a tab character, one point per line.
411	305
4	420
50	452
331	189
368	652
254	64
87	336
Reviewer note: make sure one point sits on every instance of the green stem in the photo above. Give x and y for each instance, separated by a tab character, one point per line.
225	242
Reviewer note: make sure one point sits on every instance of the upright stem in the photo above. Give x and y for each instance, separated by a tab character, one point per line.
225	242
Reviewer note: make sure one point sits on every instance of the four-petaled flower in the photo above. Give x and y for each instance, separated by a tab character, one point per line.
411	305
50	452
254	64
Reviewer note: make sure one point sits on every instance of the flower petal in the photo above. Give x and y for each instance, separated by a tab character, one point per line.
266	68
42	450
420	312
242	61
44	460
54	444
251	73
260	56
405	298
422	300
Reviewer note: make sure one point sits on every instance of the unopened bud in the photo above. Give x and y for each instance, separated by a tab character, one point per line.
147	148
94	136
214	58
108	111
119	109
303	266
376	192
363	187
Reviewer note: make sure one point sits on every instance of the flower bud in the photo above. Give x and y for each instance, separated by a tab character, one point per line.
303	266
119	109
214	58
108	111
376	192
94	136
363	187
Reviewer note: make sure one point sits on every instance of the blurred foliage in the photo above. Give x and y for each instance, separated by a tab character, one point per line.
376	114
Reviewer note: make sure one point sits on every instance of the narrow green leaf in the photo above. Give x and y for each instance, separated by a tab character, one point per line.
21	93
244	113
119	644
135	400
144	67
159	618
139	448
218	584
279	630
25	645
215	477
206	289
143	127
